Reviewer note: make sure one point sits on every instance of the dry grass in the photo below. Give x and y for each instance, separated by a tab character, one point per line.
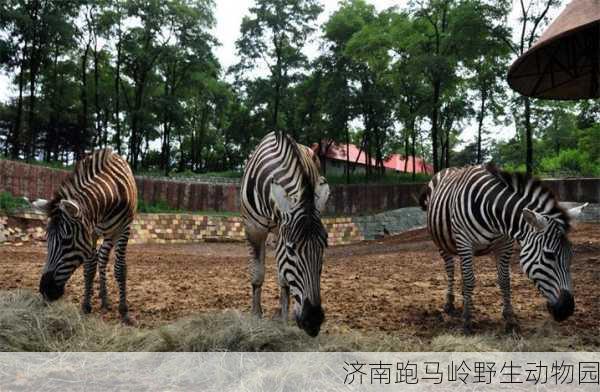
28	324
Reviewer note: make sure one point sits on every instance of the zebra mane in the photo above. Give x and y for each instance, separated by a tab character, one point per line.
87	165
310	225
525	185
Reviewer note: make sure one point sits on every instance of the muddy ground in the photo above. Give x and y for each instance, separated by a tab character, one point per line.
394	284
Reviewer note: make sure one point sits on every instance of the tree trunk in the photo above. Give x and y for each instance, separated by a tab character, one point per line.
117	98
347	155
480	126
99	132
528	137
16	133
84	104
434	125
414	166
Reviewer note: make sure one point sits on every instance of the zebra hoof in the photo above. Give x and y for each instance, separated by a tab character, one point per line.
468	329
86	308
450	310
128	321
257	313
278	316
513	327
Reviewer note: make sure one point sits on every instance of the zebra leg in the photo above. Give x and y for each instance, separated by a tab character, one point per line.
284	303
121	276
503	256
103	254
468	280
89	273
449	265
256	243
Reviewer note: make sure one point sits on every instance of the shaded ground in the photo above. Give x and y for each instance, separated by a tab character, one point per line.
396	285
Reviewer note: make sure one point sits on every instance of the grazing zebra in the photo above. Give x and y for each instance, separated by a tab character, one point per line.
282	189
477	210
98	199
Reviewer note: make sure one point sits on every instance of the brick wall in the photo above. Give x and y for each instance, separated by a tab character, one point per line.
171	229
346	200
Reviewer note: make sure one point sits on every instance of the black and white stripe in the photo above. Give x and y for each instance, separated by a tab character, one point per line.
478	210
97	200
283	191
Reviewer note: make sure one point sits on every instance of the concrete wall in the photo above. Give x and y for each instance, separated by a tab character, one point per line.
346	200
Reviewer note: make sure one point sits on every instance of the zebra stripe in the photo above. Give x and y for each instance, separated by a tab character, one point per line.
97	200
283	191
478	210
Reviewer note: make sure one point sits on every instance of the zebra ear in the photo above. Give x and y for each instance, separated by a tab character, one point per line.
535	219
40	205
576	211
70	208
321	194
280	198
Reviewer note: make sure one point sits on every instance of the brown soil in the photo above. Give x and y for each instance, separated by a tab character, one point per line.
394	284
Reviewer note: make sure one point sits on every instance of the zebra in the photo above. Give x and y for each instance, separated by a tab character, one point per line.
477	210
283	191
98	199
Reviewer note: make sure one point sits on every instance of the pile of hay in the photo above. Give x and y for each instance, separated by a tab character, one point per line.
27	323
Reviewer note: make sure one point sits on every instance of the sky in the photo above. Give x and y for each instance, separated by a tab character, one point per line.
229	14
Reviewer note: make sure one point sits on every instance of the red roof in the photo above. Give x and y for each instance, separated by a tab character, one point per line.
338	152
394	162
398	162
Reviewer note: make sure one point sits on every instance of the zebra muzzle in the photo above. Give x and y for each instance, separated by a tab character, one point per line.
49	289
564	307
310	318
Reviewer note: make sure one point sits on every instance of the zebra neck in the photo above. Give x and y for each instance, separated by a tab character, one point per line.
522	231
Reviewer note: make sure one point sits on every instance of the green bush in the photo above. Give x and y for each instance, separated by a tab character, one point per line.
570	163
159	206
10	204
515	168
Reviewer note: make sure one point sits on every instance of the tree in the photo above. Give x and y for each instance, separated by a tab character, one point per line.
274	35
450	35
533	17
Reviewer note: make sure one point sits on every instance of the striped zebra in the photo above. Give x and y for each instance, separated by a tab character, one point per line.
283	191
478	210
97	200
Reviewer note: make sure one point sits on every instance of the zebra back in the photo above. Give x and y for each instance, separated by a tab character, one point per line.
278	159
104	188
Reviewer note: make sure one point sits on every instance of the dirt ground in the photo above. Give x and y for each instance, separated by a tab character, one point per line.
394	284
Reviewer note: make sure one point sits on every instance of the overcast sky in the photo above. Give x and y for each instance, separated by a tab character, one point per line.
229	14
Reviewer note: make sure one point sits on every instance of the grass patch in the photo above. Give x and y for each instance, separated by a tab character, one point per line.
188	174
11	204
28	324
162	207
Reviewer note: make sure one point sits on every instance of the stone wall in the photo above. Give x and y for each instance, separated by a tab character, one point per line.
188	228
171	229
345	200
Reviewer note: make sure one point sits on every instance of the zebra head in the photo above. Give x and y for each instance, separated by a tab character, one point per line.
300	245
546	258
69	243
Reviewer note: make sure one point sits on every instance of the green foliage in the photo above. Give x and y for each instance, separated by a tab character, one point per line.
570	163
589	142
143	78
11	204
162	207
159	206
